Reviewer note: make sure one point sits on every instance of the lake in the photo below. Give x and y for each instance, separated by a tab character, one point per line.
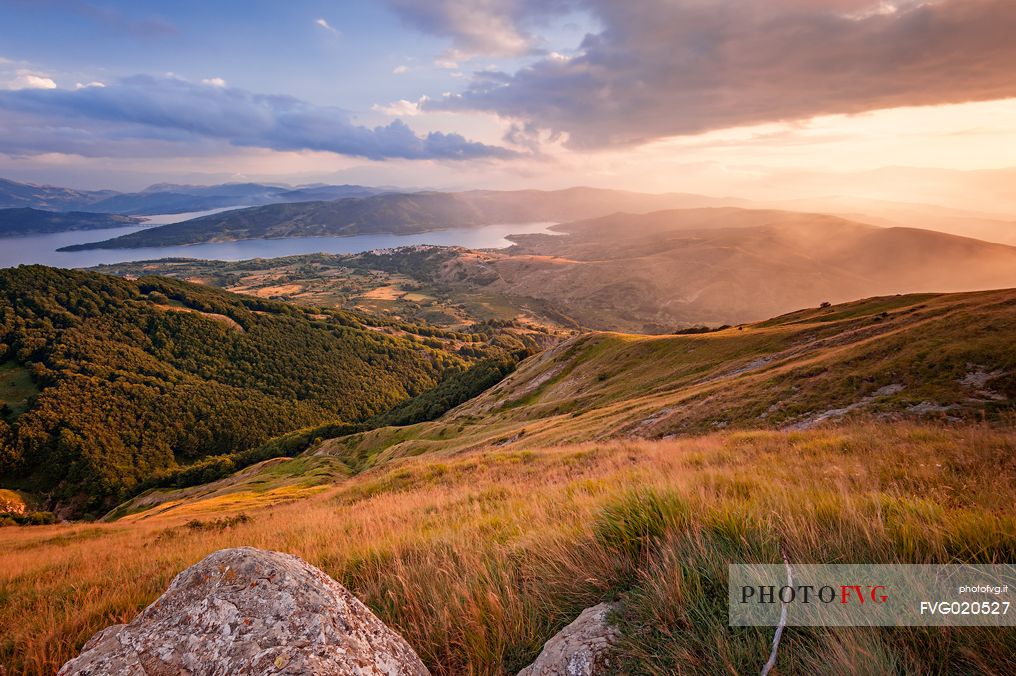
43	248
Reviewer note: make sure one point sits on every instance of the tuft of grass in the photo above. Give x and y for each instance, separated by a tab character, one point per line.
632	523
220	523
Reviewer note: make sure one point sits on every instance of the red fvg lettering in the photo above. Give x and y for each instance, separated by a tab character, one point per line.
863	594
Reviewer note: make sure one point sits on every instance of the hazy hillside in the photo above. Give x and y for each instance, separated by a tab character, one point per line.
14	194
651	273
174	199
119	380
399	213
27	221
716	266
989	226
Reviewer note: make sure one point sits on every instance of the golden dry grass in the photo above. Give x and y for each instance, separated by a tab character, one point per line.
479	558
222	319
384	293
273	291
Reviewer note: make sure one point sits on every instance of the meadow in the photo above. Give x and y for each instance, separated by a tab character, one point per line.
477	558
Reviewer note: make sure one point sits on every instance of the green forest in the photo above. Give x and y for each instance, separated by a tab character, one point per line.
137	378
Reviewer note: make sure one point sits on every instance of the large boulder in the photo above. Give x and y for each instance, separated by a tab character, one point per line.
580	649
250	611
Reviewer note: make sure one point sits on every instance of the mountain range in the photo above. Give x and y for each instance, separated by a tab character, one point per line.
321	209
400	213
27	221
648	273
168	198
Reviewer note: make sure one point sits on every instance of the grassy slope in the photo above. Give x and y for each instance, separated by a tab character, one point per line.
784	373
481	534
794	372
479	558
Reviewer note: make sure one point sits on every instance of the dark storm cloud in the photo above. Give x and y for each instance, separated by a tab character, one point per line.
671	67
124	114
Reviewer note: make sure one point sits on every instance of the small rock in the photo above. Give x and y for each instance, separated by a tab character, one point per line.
889	390
580	649
926	407
250	611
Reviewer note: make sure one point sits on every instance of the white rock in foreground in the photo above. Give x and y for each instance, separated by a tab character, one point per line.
250	611
580	649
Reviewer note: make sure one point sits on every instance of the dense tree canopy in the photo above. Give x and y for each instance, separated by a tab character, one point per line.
140	376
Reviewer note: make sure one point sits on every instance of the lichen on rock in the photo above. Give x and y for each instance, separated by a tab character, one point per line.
250	611
580	649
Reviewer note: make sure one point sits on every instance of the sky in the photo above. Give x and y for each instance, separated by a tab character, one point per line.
777	98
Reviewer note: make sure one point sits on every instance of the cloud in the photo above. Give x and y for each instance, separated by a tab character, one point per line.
400	70
494	27
327	26
85	85
401	108
127	114
664	68
27	80
214	82
449	60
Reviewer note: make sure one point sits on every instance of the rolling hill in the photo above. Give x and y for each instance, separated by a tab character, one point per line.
924	357
988	226
649	273
613	467
117	381
658	271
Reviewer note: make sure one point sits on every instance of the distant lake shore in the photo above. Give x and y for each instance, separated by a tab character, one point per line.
42	249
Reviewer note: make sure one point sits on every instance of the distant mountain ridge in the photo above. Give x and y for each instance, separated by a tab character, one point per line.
404	213
48	197
167	198
182	199
399	211
27	221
